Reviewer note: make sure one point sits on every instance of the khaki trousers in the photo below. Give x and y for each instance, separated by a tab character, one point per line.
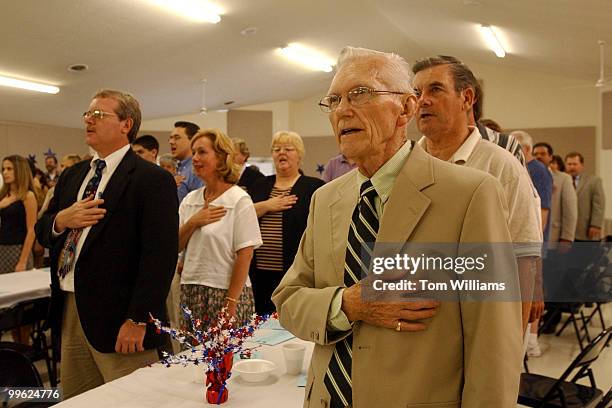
83	367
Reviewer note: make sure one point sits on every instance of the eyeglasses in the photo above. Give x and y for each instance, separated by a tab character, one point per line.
97	114
357	96
286	149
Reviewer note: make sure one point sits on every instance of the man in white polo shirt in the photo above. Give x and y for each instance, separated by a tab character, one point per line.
446	94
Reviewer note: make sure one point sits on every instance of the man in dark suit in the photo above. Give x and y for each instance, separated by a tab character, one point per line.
112	228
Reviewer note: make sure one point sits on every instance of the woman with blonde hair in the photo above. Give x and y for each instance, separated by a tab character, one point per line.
282	202
18	208
218	234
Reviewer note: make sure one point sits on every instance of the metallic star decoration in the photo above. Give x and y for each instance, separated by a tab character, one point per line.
50	153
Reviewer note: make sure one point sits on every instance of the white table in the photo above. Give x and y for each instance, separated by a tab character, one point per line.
175	387
21	286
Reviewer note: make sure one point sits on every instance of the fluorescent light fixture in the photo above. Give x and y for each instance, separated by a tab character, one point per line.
307	57
30	86
492	40
196	10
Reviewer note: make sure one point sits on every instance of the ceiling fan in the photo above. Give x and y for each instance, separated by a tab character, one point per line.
602	78
601	81
203	108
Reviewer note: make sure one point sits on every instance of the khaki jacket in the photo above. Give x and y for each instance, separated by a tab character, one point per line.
563	208
591	205
471	353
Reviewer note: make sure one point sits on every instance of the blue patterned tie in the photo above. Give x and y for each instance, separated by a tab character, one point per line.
363	231
66	258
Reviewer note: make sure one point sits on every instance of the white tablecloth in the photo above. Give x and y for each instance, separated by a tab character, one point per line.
175	387
27	285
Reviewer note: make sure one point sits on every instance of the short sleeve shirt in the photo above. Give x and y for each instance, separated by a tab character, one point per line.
211	251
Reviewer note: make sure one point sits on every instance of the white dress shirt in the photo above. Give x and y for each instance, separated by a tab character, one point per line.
112	162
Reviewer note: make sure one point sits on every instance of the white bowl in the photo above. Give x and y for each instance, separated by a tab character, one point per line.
254	370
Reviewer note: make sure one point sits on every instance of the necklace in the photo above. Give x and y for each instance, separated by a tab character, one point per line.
212	196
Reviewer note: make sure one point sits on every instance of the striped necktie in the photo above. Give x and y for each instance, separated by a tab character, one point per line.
67	256
362	234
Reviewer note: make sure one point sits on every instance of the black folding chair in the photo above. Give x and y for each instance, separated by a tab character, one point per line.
31	312
576	315
16	370
546	392
606	402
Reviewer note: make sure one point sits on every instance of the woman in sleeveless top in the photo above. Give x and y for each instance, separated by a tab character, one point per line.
281	202
18	209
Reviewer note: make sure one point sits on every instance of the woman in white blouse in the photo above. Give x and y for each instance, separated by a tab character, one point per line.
218	234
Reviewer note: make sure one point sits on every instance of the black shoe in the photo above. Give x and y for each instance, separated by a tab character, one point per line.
550	329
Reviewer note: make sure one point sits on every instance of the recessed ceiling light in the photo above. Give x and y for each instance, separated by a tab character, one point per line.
78	68
195	10
249	31
492	40
307	57
28	85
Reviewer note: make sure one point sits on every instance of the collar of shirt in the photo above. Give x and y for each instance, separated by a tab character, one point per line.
196	198
463	153
112	160
184	164
384	178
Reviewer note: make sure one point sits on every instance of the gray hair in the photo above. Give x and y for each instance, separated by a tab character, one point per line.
396	66
523	138
167	158
128	108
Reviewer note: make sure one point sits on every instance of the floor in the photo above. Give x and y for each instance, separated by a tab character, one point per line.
559	352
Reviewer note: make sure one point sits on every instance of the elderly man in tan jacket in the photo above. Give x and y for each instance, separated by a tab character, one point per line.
396	354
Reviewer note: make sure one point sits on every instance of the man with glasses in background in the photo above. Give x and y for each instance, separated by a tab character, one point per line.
112	228
180	148
423	352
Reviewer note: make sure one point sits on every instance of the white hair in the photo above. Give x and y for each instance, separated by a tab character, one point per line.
399	70
523	138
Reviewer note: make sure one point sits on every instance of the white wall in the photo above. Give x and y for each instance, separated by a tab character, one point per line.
514	98
280	114
604	167
216	120
307	119
518	98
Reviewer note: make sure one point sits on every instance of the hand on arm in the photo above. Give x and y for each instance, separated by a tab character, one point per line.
544	218
594	233
31	213
239	277
275	204
81	214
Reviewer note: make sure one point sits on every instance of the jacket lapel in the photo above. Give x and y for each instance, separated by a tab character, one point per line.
72	189
112	195
341	210
584	179
406	204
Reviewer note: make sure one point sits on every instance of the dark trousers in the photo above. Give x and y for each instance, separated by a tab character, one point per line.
264	282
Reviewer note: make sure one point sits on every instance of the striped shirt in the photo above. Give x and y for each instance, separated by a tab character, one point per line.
270	254
503	140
